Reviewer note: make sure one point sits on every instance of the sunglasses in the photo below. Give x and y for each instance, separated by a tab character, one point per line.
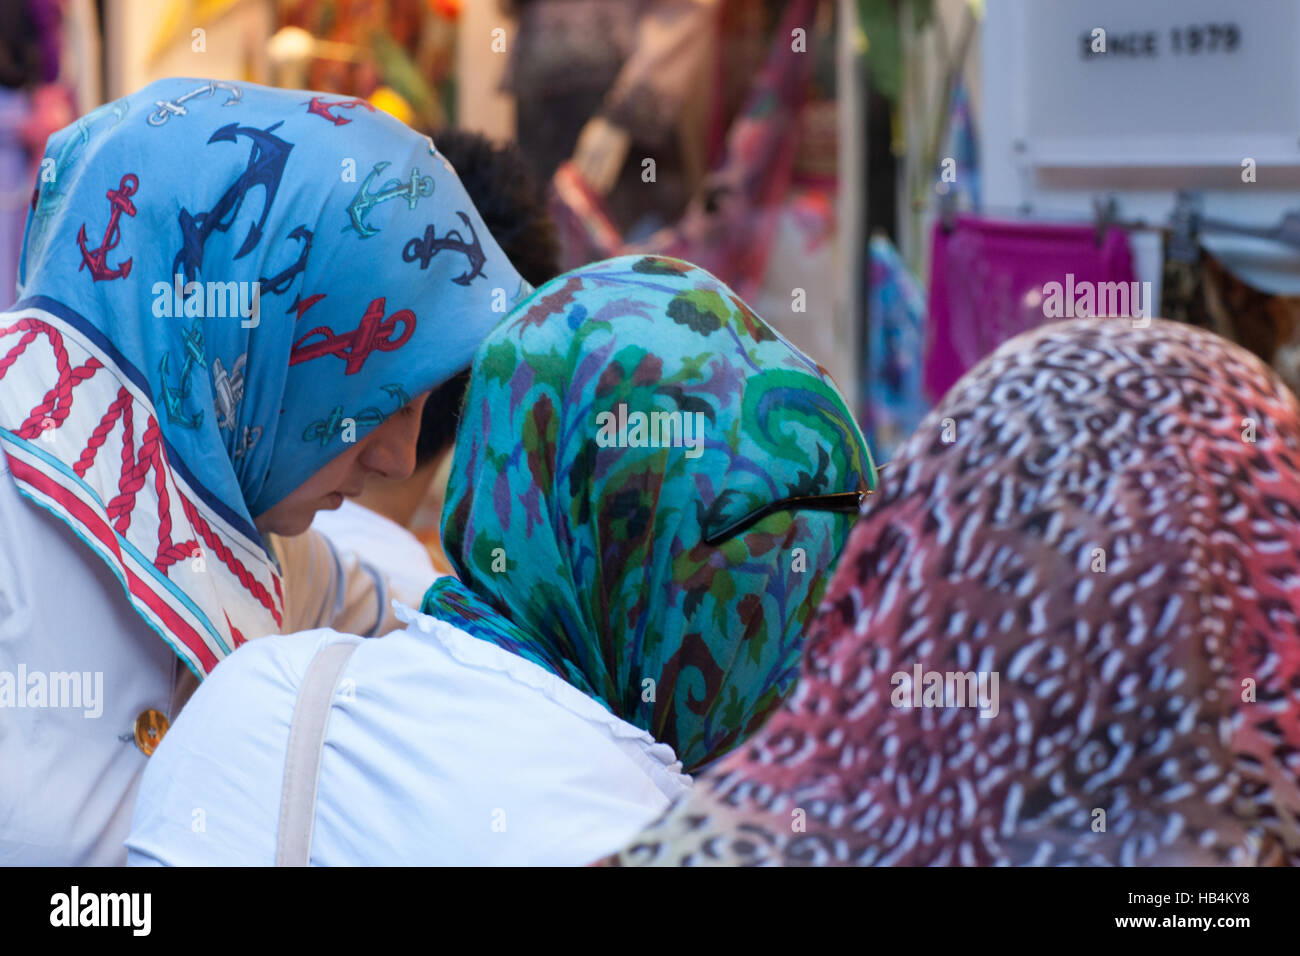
844	502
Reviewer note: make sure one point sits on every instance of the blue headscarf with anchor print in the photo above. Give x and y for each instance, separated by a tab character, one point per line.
262	276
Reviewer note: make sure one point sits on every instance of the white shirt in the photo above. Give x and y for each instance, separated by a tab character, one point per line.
68	774
383	544
440	748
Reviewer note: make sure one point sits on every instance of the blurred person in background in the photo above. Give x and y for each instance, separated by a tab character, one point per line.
609	83
34	103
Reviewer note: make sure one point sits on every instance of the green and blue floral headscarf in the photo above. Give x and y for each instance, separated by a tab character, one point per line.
622	414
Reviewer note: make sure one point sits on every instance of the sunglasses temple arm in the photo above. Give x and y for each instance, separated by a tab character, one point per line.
744	524
845	506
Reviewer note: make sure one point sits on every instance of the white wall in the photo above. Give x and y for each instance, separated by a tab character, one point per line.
480	106
1141	127
235	43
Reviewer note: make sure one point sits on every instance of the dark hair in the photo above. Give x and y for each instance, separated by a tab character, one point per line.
513	207
440	418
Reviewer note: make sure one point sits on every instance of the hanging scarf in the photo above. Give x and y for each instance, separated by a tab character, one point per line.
157	415
577	532
1106	518
895	349
989	282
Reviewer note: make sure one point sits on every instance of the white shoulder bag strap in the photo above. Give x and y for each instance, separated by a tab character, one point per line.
311	715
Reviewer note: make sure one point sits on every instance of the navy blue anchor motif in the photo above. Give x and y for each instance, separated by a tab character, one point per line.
279	283
266	162
430	245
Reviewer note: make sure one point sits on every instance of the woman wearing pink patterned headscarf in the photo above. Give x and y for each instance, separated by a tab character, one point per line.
1066	629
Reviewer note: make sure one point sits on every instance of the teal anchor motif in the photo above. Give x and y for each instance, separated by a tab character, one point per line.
324	430
174	395
419	185
51	194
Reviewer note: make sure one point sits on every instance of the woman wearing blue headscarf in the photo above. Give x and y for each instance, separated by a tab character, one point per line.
232	303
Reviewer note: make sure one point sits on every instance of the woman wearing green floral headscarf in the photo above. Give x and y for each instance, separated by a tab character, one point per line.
648	493
581	543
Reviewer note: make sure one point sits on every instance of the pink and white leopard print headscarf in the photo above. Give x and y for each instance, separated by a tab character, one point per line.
1105	517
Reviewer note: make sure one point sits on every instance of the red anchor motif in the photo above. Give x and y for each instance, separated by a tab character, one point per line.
97	259
320	108
305	304
373	332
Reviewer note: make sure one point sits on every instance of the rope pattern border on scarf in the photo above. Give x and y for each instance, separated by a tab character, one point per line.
136	463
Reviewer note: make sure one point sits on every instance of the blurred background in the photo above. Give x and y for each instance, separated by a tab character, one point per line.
891	183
